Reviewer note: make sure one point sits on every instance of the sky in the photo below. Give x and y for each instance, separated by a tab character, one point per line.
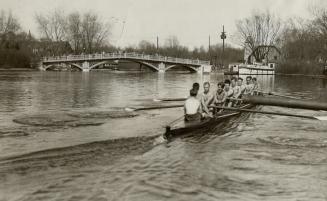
192	21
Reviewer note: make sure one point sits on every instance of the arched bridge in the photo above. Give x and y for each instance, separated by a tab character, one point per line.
155	62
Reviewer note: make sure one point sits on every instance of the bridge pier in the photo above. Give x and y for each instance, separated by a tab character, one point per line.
40	66
205	69
86	66
161	67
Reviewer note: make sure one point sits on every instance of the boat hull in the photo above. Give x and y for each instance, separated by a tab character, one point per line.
251	69
255	71
181	127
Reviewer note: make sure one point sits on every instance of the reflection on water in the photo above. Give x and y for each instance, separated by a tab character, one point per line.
50	151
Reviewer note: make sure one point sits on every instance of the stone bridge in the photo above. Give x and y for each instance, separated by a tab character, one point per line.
157	63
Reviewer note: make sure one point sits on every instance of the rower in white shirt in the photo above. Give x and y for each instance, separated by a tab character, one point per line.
248	86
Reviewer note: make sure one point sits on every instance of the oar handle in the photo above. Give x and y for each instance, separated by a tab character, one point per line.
169	99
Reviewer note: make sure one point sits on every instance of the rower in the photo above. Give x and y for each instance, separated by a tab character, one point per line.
206	99
219	97
248	86
256	87
196	86
235	87
228	91
241	85
192	107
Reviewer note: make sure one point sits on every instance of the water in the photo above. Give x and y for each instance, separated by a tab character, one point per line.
65	136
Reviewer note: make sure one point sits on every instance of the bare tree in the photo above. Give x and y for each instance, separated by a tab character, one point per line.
147	47
260	29
172	42
84	32
74	31
94	32
52	26
318	29
8	23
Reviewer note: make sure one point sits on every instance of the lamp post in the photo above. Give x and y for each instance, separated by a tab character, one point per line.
223	37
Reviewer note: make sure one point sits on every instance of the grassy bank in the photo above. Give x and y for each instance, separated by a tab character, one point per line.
18	69
298	67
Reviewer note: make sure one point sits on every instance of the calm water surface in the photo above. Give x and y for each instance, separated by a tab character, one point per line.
66	136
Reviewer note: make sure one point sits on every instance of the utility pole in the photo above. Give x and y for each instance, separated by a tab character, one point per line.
209	44
157	44
209	50
223	37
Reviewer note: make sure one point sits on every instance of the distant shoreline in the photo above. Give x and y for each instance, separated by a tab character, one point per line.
18	69
313	76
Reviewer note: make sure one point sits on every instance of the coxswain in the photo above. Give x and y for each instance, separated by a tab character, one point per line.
192	107
196	86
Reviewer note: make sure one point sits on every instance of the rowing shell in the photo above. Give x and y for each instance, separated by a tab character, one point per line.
181	126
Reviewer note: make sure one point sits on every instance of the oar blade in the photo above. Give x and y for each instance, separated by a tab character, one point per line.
321	118
128	109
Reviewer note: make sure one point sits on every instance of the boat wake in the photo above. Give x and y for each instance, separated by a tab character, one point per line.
73	119
294	142
90	154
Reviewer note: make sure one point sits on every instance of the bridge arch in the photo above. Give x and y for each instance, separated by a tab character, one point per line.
98	64
53	65
151	66
48	66
77	66
191	68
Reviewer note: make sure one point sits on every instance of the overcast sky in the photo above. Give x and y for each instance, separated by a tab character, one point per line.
192	21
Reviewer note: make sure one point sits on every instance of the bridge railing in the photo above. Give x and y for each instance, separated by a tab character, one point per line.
130	55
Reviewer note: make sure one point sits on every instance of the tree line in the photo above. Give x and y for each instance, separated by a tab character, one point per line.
14	51
86	33
303	43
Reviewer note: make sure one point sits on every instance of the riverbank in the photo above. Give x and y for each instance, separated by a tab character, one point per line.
18	69
304	75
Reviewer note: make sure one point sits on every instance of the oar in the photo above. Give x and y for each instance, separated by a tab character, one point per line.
183	99
285	102
168	99
131	109
321	118
280	95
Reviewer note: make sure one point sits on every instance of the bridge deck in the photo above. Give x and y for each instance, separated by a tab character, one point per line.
113	56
